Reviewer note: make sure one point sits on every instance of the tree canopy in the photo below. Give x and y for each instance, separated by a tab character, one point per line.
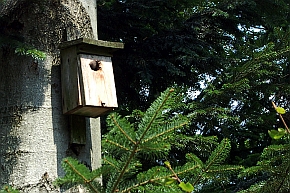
234	54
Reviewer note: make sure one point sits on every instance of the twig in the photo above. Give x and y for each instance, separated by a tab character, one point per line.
173	172
281	117
7	189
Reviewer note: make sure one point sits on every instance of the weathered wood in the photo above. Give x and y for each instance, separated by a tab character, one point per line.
87	91
91	46
69	80
77	130
98	86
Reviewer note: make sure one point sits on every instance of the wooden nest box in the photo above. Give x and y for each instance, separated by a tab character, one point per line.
88	87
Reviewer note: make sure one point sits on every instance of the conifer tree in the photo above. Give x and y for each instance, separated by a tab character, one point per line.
149	137
272	171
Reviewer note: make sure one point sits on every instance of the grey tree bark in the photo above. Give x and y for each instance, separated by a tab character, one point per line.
34	135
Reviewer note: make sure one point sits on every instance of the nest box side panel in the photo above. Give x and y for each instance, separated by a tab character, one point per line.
70	81
97	81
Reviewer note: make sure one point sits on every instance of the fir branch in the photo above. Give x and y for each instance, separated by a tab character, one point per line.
220	149
229	168
117	144
149	148
86	181
146	182
152	180
133	152
136	145
155	114
216	156
121	129
111	164
283	179
275	149
188	170
165	132
255	63
194	158
8	189
273	54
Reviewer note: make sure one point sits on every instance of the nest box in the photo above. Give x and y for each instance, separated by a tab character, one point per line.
88	86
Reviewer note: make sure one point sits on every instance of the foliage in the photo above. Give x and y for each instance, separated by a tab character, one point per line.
180	42
8	189
128	144
277	134
274	163
10	36
234	53
20	47
34	53
245	90
165	43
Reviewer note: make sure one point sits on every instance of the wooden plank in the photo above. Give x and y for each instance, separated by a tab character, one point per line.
97	86
77	129
90	111
70	80
91	46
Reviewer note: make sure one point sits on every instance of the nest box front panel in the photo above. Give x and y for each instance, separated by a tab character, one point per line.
97	85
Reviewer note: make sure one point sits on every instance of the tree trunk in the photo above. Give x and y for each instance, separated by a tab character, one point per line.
34	135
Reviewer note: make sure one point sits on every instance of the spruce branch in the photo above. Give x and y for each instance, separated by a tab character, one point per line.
153	180
110	163
133	152
165	132
155	114
85	180
214	157
121	129
283	179
136	145
117	144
